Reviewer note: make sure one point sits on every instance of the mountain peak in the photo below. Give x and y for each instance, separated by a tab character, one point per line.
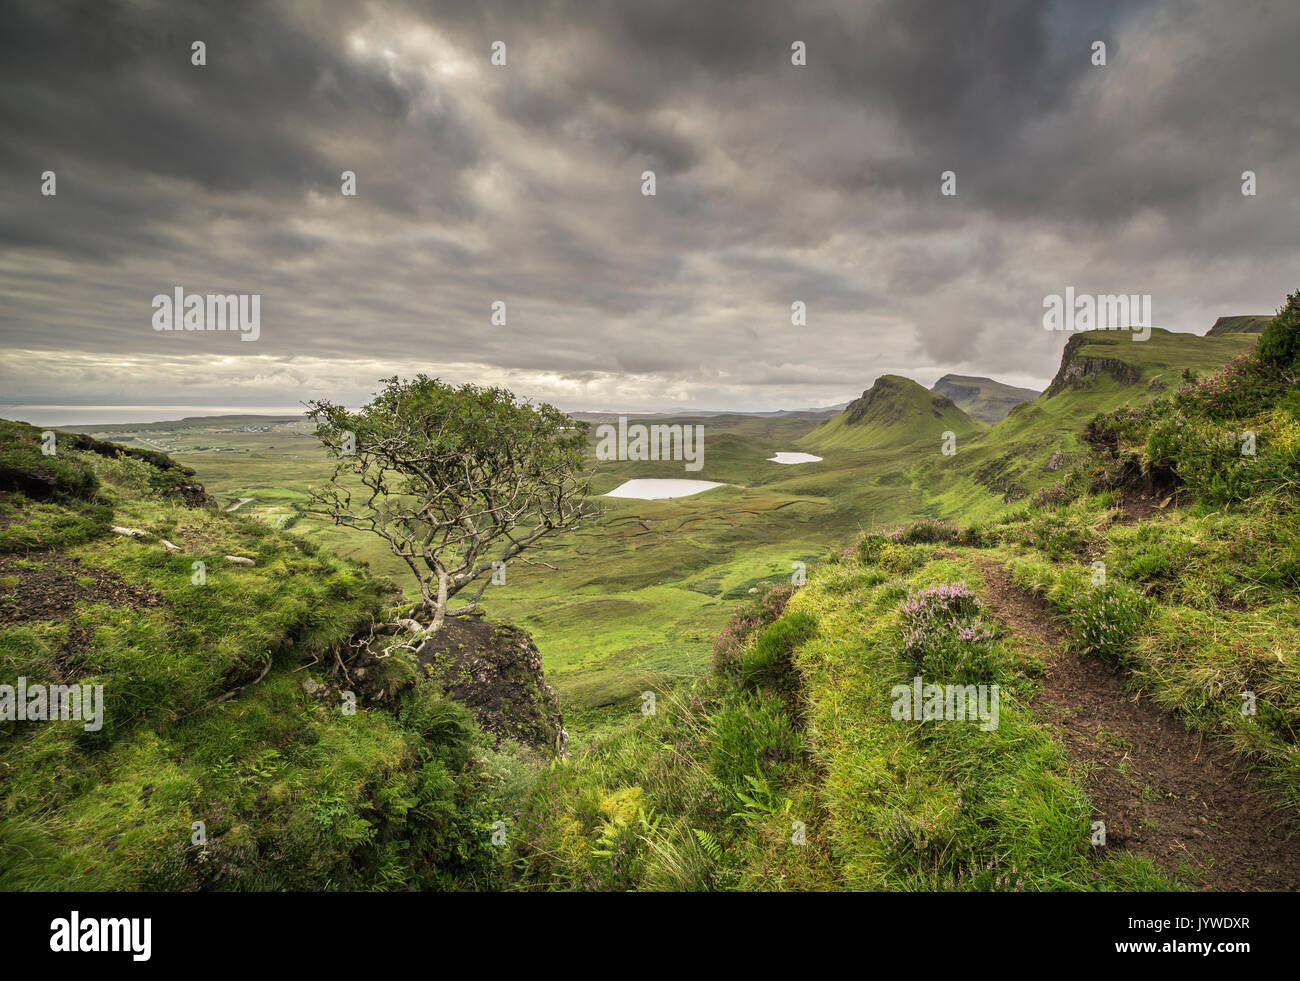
983	398
892	398
894	411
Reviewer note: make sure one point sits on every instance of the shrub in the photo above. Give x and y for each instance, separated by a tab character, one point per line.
928	531
1057	533
448	727
24	467
1242	387
924	531
130	477
1106	618
975	536
1155	554
753	735
899	559
729	645
870	547
618	855
1208	458
1279	344
770	663
944	634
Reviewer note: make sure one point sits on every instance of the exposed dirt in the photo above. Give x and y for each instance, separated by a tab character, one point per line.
57	590
54	590
1162	791
1137	506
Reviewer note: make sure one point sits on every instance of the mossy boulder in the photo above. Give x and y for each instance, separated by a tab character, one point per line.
496	670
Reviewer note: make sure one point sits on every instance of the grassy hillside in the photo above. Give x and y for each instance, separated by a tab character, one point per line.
635	597
1099	371
895	412
983	398
1239	325
787	727
219	701
788	768
784	770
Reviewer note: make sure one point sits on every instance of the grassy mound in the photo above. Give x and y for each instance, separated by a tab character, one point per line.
227	756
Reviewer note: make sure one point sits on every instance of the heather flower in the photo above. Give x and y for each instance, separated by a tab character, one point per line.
729	644
942	630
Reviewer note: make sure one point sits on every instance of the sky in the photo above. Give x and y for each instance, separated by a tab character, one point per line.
522	184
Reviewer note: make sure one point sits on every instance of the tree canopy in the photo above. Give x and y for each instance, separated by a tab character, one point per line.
455	479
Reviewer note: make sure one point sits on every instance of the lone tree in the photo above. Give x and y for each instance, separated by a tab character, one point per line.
454	479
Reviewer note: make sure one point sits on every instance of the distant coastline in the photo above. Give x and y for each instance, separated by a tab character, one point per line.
94	415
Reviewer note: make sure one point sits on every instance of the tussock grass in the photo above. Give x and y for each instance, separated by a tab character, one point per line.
291	791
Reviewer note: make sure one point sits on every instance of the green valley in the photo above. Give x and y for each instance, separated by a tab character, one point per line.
635	598
644	599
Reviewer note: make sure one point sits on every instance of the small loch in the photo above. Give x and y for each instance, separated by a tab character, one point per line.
656	489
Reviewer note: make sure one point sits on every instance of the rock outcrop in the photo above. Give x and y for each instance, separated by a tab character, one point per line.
1079	371
496	670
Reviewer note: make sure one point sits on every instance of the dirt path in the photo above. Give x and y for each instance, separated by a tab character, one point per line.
1163	791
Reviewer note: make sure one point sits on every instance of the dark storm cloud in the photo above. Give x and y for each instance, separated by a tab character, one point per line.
776	183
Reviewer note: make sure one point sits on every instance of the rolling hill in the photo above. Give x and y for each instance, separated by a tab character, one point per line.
1239	325
983	398
702	794
212	641
894	412
798	725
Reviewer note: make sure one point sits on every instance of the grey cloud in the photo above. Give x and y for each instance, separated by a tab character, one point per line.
522	183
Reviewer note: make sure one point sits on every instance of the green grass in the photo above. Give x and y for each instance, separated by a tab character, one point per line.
941	805
637	594
706	792
896	412
817	786
293	792
1215	615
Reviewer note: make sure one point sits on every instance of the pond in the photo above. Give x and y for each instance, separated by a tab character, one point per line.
794	458
655	489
